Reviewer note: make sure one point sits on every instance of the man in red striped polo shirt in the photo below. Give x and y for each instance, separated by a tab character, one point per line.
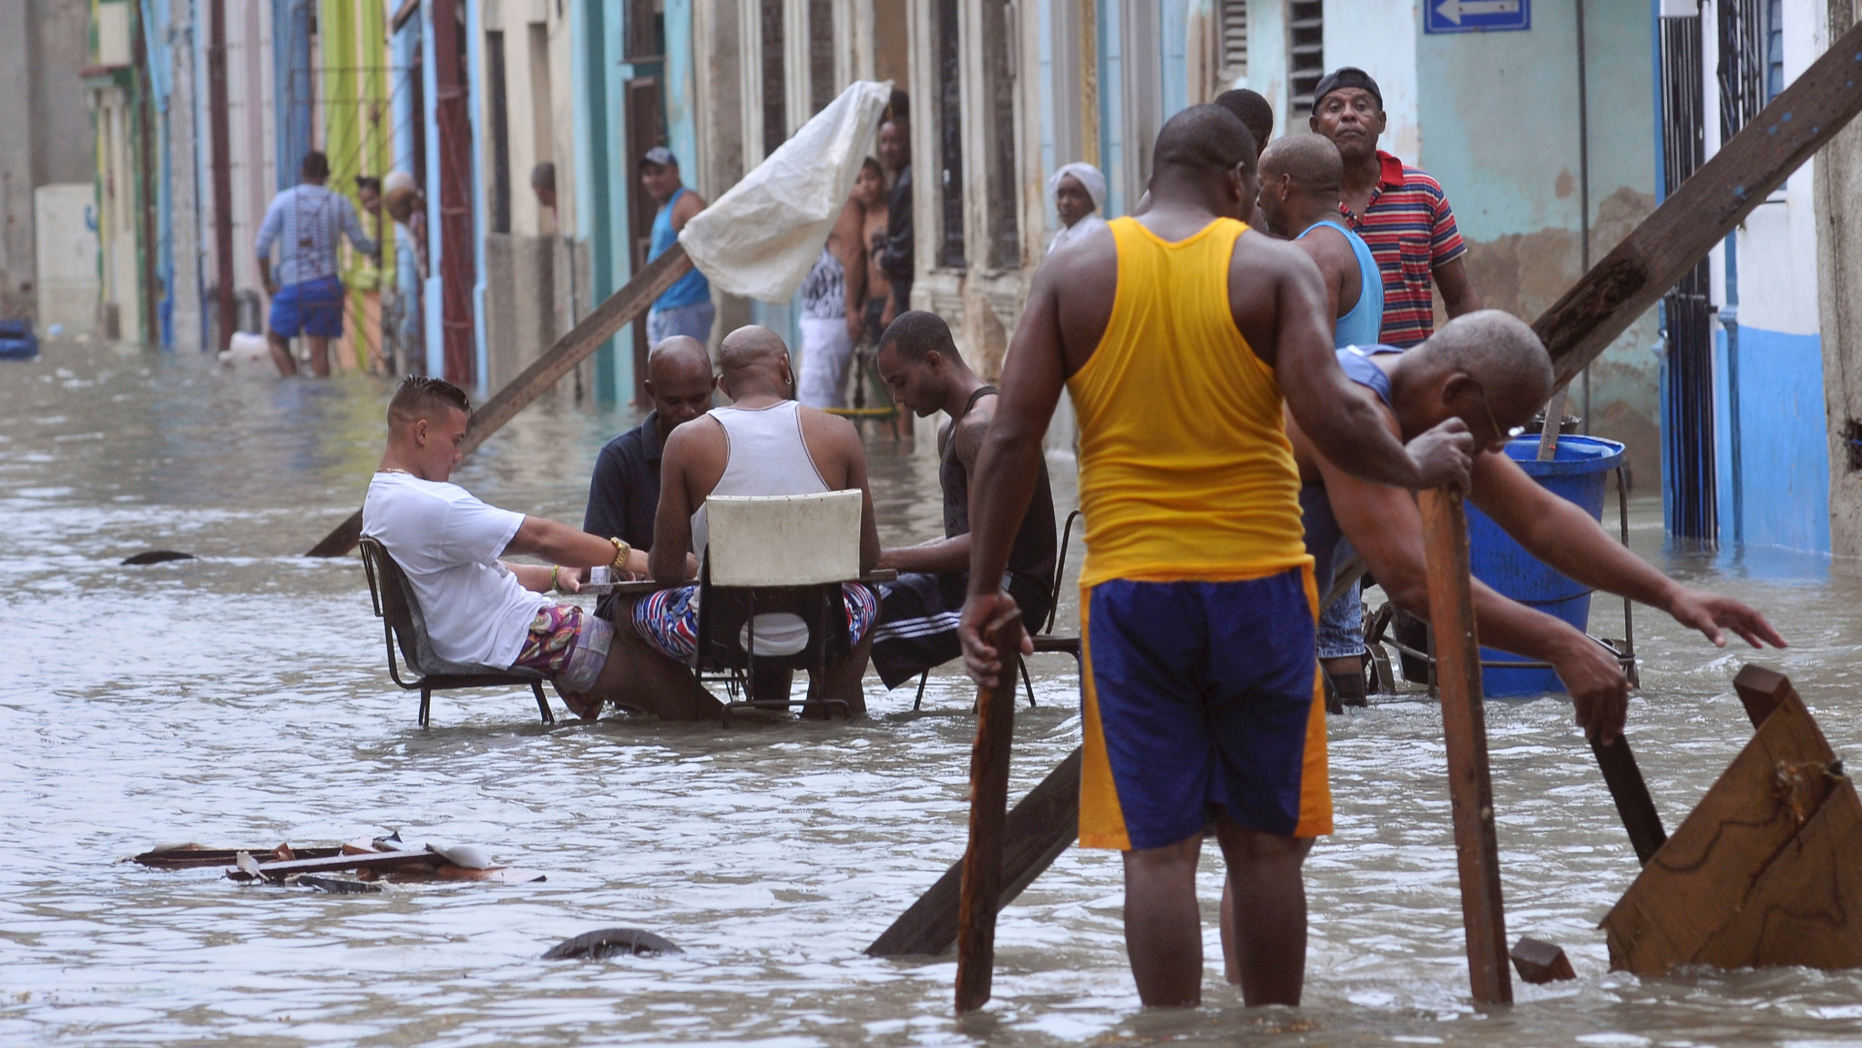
1399	210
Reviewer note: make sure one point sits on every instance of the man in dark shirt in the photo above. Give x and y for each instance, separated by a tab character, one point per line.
623	494
917	627
897	258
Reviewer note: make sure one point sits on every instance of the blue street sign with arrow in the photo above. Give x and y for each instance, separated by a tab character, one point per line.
1477	16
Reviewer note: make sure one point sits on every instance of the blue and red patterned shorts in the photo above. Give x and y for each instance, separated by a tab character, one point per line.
569	645
668	619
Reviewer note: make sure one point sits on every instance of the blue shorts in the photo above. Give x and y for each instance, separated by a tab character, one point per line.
314	307
1201	697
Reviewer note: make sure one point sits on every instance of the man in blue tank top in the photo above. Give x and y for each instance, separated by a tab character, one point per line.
685	308
1300	180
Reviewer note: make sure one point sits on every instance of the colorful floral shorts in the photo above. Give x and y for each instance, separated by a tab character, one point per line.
668	619
568	644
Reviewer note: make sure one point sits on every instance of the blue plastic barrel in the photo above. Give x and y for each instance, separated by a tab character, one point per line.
17	342
1578	475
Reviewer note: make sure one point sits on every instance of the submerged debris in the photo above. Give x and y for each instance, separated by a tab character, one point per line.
611	942
371	859
337	885
156	556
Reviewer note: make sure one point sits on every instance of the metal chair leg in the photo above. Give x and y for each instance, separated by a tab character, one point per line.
919	701
426	705
1026	682
543	704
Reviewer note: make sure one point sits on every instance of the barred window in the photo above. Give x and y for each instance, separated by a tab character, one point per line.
1305	53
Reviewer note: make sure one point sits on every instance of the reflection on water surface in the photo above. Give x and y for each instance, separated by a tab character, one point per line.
240	699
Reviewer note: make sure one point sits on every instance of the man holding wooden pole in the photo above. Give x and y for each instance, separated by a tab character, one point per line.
1198	606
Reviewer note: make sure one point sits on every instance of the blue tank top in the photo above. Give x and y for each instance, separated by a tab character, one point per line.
1323	534
1360	326
690	289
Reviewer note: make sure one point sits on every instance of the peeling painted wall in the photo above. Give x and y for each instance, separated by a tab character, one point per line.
1497	117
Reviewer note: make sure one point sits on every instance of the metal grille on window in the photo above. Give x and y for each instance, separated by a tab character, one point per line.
1742	67
1232	40
1774	49
1689	402
949	136
645	40
500	135
1305	52
821	86
1005	249
775	96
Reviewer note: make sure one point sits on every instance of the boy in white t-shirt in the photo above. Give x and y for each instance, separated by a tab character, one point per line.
478	609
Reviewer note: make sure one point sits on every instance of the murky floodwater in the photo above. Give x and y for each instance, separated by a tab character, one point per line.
241	700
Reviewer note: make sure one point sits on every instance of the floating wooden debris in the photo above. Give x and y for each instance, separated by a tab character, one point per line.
1764	872
1538	961
375	858
337	885
611	942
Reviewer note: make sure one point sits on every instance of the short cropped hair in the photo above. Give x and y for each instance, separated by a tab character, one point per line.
1205	140
1255	111
916	333
316	165
420	397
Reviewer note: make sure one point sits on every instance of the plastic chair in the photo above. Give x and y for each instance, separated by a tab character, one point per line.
775	554
403	623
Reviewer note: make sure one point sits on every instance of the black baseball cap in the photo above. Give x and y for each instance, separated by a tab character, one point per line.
1346	76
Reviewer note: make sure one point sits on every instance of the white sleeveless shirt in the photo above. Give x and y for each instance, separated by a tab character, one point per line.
766	456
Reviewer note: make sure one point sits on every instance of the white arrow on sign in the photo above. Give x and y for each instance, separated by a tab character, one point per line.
1454	9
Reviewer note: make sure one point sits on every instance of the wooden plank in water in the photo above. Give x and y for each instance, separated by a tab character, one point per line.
989	801
1708	871
1040	826
615	313
1631	795
371	861
1464	730
1761	690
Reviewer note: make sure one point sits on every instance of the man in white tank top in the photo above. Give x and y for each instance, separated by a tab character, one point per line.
763	444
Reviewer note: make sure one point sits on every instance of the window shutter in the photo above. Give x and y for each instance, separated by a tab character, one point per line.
1232	40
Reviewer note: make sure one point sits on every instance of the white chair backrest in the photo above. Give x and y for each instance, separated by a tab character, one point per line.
783	540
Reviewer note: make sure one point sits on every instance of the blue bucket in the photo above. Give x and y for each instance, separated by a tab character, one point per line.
17	341
1577	475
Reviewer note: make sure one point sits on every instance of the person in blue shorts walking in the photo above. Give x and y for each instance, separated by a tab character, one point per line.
307	221
685	308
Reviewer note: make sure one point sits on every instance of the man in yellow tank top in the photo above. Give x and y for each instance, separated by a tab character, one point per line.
1179	334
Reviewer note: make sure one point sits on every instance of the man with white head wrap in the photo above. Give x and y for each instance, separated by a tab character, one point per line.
1079	192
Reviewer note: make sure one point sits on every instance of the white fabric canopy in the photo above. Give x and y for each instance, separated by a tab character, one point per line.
760	238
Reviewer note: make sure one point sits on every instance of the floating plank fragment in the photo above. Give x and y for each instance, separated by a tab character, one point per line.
193	856
1764	871
1538	961
337	885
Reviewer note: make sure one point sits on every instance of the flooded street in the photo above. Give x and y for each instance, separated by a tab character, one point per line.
241	699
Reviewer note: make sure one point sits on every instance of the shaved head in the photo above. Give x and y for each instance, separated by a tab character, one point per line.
679	354
1206	140
1310	161
754	360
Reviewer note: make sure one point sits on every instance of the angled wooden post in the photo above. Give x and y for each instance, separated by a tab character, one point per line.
1464	729
989	801
617	312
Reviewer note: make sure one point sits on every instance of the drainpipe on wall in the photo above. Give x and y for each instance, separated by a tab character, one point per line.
1729	322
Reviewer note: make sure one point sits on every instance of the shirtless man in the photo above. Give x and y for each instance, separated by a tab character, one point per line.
763	444
480	610
1177	335
917	627
1300	178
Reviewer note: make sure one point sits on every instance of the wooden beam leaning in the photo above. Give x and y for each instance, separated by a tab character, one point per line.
1464	730
1631	795
1040	826
1706	207
1762	691
989	801
617	312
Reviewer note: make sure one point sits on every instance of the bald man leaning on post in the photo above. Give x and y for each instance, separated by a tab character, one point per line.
764	443
1202	700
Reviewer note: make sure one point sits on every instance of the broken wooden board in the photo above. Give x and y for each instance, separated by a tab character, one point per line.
193	856
1762	871
1041	825
1538	961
